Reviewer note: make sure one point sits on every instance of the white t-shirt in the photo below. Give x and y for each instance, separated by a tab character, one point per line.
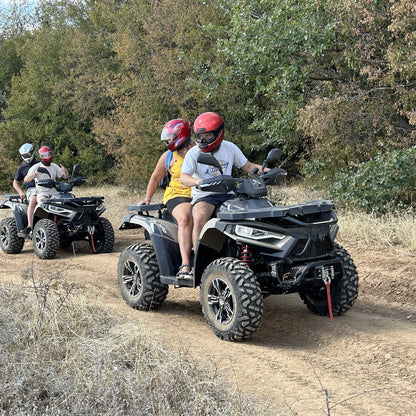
228	155
54	170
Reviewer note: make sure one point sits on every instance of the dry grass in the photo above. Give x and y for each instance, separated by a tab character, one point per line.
357	229
61	355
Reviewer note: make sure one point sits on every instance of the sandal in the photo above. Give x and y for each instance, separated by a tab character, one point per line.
182	274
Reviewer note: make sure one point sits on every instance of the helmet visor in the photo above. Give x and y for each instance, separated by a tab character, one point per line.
168	136
46	155
205	138
27	155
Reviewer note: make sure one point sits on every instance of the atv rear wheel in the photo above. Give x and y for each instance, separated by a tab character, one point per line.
9	241
139	279
231	299
103	238
344	290
45	238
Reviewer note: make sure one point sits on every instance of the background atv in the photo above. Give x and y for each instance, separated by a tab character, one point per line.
251	249
58	221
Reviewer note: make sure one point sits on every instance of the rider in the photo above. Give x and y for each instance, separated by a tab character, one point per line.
177	198
54	170
27	153
209	136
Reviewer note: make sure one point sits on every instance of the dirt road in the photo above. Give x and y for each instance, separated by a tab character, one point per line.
363	362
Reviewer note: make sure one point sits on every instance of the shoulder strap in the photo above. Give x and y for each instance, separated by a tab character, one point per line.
168	159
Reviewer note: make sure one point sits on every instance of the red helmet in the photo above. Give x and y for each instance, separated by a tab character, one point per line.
45	154
209	131
177	134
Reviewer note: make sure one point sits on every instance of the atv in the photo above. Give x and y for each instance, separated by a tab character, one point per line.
58	220
251	249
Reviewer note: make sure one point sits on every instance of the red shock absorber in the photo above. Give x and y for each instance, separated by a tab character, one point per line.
245	254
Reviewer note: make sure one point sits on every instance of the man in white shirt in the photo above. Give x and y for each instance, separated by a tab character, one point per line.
209	136
42	192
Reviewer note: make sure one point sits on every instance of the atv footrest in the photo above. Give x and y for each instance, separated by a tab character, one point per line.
174	280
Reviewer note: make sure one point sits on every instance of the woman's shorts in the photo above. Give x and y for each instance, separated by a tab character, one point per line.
174	202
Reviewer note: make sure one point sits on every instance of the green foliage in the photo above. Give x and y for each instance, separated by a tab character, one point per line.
332	83
386	182
272	51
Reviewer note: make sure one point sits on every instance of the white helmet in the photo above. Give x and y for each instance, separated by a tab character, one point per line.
27	152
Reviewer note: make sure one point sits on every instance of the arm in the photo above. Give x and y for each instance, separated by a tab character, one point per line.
19	190
30	176
65	173
249	166
154	180
189	180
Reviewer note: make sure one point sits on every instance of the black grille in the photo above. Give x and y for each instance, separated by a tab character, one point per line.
317	248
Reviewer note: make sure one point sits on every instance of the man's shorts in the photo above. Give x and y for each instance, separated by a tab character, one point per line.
30	192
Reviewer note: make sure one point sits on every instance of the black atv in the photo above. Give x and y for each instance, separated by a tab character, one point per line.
58	221
251	249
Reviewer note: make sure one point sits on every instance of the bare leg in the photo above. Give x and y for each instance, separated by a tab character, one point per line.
182	214
31	210
201	212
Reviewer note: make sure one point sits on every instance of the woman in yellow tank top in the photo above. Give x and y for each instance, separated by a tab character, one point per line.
177	197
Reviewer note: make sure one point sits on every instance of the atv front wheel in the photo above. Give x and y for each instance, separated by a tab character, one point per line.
45	238
9	241
231	299
139	279
103	238
343	289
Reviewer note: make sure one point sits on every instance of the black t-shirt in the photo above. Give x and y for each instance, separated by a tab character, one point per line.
22	172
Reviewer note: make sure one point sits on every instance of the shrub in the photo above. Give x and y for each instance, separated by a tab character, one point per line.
386	182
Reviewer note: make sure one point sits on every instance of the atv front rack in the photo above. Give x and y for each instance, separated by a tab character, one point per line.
289	212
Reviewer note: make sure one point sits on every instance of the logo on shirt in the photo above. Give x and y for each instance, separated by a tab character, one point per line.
213	171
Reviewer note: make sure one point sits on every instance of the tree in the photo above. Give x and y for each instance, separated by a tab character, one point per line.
274	48
366	106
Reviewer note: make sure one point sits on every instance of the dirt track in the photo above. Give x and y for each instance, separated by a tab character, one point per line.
365	359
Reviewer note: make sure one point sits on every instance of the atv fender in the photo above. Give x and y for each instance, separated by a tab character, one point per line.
164	237
19	210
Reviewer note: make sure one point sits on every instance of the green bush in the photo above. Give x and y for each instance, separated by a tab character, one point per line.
386	182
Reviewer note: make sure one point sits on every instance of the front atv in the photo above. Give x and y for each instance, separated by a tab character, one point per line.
250	250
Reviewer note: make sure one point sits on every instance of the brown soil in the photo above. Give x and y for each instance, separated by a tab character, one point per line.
363	361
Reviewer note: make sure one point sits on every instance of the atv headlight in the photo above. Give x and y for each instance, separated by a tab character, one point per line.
261	237
58	210
256	234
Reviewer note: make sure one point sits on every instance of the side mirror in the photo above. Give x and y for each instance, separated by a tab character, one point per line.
274	154
75	169
208	159
41	169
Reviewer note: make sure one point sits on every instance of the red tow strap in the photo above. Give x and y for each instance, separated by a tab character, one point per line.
328	294
92	242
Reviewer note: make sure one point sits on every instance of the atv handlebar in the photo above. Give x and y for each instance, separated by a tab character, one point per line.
220	183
